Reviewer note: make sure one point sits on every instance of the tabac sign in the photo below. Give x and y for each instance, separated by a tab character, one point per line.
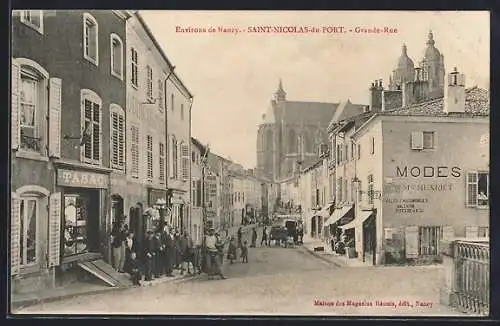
70	178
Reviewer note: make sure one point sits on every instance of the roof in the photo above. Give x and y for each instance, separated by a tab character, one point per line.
157	45
404	61
349	122
477	103
308	112
346	110
199	145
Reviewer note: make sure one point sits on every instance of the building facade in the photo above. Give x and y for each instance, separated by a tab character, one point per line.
63	110
415	187
198	152
146	173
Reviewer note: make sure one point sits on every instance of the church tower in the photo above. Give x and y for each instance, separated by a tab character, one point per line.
280	94
404	71
432	67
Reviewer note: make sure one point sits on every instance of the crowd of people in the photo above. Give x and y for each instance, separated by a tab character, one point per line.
164	250
169	249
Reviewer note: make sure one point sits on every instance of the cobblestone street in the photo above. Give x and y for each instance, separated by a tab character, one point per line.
275	281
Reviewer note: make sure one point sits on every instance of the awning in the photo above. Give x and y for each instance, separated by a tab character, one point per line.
338	214
325	211
362	217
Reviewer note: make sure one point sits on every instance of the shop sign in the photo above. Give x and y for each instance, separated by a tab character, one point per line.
82	179
155	194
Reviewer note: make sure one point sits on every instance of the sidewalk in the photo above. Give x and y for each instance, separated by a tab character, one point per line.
330	256
81	289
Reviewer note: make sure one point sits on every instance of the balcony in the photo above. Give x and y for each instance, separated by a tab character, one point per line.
30	143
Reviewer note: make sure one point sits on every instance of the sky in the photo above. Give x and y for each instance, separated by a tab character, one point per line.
233	76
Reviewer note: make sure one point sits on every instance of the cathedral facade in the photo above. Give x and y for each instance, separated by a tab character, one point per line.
291	134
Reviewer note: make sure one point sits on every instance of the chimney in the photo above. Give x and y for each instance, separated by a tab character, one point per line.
454	99
376	96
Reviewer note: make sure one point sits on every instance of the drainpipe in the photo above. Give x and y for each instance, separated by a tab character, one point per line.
188	209
167	140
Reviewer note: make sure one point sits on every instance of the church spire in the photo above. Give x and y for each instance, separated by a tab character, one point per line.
280	94
430	40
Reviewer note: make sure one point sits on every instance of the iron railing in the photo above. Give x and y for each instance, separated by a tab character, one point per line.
472	276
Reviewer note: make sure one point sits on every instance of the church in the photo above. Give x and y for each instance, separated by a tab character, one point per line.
291	134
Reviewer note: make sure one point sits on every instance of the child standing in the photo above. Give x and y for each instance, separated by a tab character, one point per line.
244	252
231	252
135	273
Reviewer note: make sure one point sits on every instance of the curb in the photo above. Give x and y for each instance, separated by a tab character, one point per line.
31	302
322	257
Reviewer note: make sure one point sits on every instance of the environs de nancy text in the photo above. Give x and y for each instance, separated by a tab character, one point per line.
330	29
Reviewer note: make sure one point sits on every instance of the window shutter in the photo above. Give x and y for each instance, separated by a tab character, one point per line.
144	161
54	229
15	233
121	141
417	140
198	193
55	117
185	162
114	139
14	113
471	189
411	241
171	156
448	233
471	232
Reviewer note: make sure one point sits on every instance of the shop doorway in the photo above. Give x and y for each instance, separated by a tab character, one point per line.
313	226
81	222
116	207
370	240
137	225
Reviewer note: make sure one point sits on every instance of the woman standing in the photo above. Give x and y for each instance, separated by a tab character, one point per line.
117	241
254	238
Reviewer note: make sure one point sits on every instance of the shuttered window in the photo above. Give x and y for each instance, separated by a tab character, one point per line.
193	192
477	192
149	156
185	161
175	158
149	82
91	125
198	193
162	162
161	97
134	67
134	151
371	184
117	137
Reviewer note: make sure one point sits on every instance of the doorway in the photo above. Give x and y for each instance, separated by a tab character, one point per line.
81	224
370	240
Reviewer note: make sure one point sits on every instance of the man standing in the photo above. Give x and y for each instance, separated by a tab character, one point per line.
169	251
213	255
149	256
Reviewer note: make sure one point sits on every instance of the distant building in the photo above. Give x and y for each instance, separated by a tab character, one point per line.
291	133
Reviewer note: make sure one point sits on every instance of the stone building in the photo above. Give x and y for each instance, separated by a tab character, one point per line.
290	133
68	94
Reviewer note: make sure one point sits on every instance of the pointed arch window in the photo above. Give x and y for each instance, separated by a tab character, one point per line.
292	141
